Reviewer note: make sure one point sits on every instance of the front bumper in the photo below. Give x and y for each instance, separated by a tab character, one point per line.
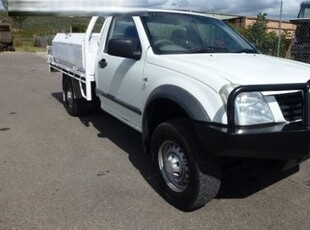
285	142
276	141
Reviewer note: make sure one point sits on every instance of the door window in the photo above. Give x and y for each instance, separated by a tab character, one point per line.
124	28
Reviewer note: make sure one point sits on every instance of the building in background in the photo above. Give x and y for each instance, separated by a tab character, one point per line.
273	25
287	27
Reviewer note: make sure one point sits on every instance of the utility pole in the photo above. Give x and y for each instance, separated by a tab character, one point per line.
280	29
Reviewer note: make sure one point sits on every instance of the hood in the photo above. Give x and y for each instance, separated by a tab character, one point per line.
216	70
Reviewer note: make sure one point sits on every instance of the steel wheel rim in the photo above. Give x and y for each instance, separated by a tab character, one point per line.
173	166
69	96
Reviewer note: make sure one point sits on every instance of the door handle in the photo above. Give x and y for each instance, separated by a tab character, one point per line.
103	63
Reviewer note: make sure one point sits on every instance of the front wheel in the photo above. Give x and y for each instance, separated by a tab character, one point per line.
185	184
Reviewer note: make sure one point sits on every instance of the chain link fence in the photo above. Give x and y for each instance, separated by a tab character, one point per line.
283	46
292	43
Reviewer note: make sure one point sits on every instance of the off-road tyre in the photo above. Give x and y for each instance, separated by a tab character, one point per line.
202	180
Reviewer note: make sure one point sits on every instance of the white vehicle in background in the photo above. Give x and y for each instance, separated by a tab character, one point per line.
195	89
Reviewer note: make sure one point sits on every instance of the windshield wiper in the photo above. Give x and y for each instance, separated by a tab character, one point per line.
249	51
208	49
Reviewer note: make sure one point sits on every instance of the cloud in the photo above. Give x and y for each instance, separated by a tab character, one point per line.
242	7
237	7
251	7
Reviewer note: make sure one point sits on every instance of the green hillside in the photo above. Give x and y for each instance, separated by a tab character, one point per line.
51	24
38	32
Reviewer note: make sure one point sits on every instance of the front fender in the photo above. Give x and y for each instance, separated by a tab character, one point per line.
184	99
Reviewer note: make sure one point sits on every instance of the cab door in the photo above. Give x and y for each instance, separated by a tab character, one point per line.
119	79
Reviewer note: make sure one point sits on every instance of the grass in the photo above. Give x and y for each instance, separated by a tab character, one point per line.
27	45
30	49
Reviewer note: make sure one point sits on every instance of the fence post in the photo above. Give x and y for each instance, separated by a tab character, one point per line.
280	28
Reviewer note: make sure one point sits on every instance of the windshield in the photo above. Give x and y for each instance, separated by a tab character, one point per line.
173	33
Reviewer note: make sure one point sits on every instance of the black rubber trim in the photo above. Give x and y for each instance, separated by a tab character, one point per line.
122	103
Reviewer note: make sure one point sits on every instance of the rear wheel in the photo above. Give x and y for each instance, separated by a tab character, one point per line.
185	184
74	106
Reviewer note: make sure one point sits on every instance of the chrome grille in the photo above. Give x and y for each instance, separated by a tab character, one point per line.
291	105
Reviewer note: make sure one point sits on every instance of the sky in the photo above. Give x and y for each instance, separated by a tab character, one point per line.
238	7
246	7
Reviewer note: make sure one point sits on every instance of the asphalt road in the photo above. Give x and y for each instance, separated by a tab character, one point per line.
60	172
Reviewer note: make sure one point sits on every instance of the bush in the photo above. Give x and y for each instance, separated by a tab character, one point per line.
42	41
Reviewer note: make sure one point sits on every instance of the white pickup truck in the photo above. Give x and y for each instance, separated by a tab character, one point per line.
194	88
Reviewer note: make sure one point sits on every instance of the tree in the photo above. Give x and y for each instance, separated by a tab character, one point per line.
19	21
257	33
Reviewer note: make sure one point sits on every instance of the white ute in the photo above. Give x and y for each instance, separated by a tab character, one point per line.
195	89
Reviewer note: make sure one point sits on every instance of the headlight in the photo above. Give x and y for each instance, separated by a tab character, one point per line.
250	108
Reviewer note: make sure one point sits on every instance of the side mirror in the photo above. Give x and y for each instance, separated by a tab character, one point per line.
123	48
